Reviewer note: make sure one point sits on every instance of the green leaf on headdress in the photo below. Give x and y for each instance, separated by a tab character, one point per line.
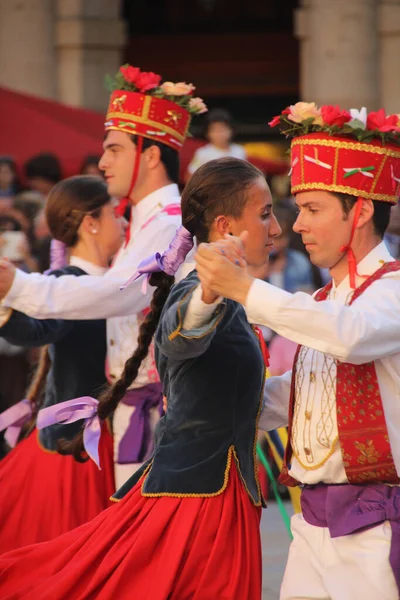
109	83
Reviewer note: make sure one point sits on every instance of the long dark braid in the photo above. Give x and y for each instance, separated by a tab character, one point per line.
110	398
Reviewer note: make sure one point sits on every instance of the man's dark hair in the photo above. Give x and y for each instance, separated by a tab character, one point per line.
45	165
381	214
168	156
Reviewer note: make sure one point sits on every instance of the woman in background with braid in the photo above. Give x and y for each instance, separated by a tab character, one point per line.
187	524
44	494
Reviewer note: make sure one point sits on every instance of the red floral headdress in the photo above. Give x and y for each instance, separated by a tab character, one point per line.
349	152
141	105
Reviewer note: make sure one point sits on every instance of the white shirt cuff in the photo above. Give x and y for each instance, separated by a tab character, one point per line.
16	287
198	312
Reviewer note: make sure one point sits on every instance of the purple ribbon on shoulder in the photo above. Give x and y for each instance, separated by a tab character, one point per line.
169	261
71	411
137	443
347	509
13	419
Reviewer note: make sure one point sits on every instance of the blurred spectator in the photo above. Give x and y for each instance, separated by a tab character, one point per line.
219	133
9	184
14	241
29	203
15	361
392	235
90	166
280	189
42	172
288	269
42	240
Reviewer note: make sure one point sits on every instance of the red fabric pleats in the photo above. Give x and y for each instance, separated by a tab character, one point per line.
164	548
43	494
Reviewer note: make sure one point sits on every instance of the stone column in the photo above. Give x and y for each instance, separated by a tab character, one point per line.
339	52
389	36
89	40
27	58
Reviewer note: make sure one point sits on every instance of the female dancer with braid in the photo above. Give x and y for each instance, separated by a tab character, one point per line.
43	494
187	524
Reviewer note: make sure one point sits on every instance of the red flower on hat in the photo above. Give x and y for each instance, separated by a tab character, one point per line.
333	115
276	120
379	120
131	74
147	81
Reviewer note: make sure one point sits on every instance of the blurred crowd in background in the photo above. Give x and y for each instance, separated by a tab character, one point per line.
25	239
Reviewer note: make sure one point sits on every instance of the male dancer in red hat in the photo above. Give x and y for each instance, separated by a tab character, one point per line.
146	125
344	390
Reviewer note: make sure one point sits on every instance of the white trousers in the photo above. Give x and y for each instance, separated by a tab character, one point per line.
352	567
121	420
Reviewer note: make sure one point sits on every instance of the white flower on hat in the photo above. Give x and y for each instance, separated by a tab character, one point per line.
358	118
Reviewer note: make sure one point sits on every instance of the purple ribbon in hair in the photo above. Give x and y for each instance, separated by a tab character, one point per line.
58	256
71	411
169	261
13	420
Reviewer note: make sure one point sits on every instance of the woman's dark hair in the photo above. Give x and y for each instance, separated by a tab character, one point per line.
168	156
68	202
381	214
217	188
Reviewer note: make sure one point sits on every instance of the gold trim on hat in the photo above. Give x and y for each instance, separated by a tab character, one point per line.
334	143
144	121
343	189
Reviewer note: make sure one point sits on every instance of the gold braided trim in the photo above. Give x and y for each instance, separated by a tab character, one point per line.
178	332
146	121
260	406
147	469
231	451
320	464
315	141
363	431
343	189
378	173
335	166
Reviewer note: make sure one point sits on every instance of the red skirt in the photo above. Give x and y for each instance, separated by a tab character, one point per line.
43	494
163	548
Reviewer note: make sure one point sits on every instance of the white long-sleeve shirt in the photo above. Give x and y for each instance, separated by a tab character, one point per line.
91	297
331	331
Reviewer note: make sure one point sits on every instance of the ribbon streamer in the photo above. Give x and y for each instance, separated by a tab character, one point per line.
70	411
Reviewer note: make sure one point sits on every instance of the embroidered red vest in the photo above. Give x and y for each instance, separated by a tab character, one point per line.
363	435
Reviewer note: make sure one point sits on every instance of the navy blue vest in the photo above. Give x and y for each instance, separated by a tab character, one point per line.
78	353
213	378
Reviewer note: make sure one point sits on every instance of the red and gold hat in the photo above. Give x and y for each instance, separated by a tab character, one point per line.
141	105
348	152
344	152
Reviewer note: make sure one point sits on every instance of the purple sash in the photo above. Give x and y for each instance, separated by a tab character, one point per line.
137	443
347	509
13	419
